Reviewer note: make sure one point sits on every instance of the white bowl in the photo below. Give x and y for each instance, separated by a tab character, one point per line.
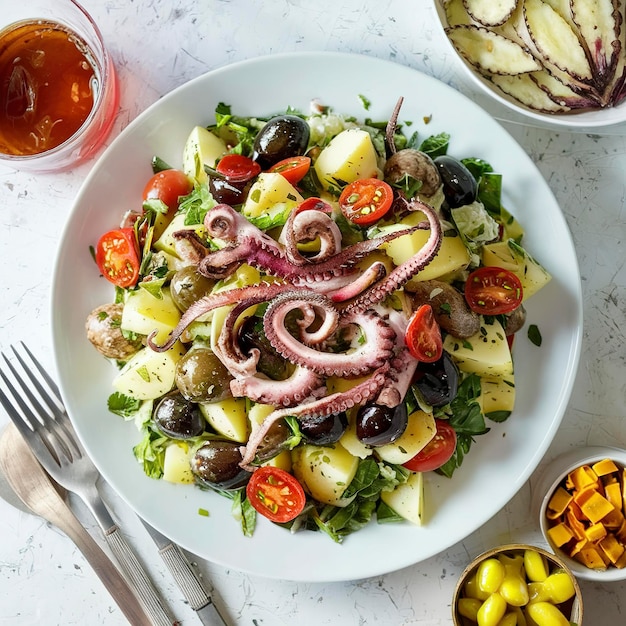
549	480
584	120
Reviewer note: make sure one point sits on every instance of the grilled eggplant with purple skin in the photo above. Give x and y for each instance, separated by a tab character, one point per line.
554	56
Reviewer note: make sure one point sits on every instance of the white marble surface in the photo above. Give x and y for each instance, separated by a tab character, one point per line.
160	44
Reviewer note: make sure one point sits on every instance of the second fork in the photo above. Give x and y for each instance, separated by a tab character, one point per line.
49	432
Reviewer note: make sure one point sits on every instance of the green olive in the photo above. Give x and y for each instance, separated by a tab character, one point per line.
216	464
188	285
201	376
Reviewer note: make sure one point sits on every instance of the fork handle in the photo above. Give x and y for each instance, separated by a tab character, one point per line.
138	578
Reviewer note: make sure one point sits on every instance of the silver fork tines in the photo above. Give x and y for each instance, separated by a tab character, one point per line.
50	435
52	425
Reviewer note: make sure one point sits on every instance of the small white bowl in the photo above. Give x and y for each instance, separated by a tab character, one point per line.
585	120
547	483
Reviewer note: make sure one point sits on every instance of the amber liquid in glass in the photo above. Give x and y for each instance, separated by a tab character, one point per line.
47	86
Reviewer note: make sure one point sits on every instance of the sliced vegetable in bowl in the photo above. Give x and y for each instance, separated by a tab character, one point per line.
559	61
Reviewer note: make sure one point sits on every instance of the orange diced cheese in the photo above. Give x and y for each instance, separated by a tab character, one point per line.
596	507
595	532
592	558
578	528
613	493
558	503
613	520
587	515
604	467
560	534
612	548
621	562
581	477
584	494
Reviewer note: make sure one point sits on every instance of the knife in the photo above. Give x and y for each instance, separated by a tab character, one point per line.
187	579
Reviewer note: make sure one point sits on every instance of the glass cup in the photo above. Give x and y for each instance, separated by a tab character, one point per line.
58	88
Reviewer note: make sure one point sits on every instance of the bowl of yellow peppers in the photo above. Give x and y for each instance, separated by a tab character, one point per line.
517	584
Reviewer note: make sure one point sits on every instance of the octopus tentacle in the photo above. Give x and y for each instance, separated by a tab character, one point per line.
335	403
252	294
246	242
308	225
403	273
303	384
369	355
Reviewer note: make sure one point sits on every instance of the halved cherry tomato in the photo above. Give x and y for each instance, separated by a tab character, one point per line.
237	168
117	257
493	291
276	494
293	169
437	451
423	335
365	201
168	186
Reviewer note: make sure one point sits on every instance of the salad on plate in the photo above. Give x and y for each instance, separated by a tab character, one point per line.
311	312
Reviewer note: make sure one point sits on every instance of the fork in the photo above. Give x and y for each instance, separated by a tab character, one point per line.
50	434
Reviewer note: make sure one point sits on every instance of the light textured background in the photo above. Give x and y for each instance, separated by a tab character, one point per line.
160	44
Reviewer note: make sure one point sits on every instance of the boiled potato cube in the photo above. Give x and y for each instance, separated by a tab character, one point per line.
144	313
282	460
486	353
176	466
420	429
148	375
349	156
497	394
271	193
227	417
407	499
167	243
451	257
511	256
352	443
324	472
201	148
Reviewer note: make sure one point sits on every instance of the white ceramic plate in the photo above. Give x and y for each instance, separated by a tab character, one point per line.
500	462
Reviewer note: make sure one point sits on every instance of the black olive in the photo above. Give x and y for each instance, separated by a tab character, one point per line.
273	442
188	285
216	464
325	430
459	186
378	425
270	363
228	192
282	137
202	377
178	418
438	382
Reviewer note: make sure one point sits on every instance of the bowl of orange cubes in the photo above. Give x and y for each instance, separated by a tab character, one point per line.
583	511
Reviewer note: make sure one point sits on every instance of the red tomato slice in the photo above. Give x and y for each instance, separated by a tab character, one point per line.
237	168
168	186
314	204
423	335
365	201
436	452
276	494
293	169
117	257
493	291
